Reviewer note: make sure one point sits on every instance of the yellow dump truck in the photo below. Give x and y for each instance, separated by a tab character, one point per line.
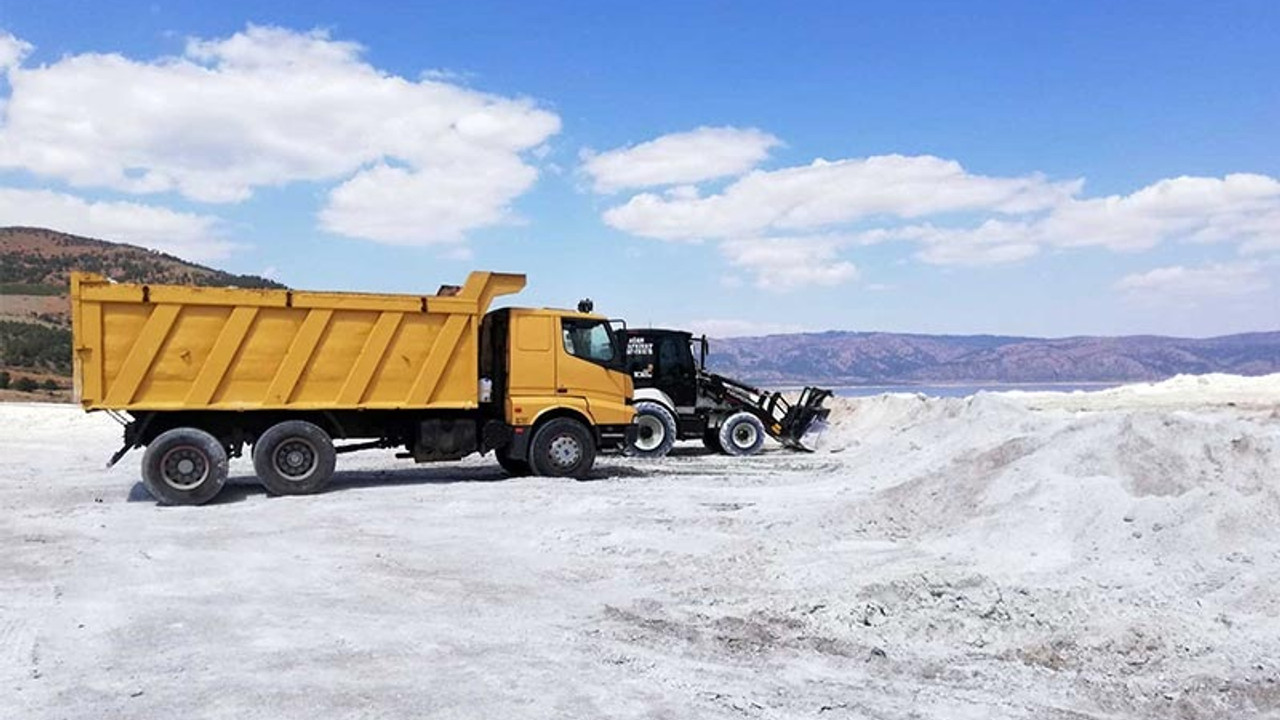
197	374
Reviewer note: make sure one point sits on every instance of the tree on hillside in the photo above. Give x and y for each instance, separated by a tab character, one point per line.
28	345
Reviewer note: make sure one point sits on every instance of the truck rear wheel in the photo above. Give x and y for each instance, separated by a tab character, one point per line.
656	431
184	466
514	467
562	448
742	434
294	457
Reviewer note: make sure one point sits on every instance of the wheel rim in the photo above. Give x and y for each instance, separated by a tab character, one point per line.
650	432
295	459
565	451
745	435
184	467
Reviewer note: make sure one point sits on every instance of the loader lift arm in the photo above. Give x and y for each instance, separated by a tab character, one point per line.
785	421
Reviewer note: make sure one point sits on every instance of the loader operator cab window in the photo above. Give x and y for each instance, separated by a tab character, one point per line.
591	340
676	374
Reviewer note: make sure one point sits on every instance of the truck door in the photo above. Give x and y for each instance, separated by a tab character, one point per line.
532	369
593	367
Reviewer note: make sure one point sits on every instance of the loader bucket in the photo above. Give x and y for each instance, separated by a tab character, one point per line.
805	421
811	441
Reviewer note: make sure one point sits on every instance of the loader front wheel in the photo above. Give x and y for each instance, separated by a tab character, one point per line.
656	431
562	448
742	434
184	466
294	457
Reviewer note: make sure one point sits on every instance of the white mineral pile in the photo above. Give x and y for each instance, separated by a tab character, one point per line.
1128	536
1111	554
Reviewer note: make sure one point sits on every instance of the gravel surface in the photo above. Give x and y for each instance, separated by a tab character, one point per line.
1033	555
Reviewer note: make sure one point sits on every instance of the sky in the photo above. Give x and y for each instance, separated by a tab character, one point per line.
738	168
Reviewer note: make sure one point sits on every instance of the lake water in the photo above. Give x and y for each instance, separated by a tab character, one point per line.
964	390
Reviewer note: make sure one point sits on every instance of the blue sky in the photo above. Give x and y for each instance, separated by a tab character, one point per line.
1046	168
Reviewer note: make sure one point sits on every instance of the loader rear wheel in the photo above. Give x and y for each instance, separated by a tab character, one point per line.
294	457
562	448
742	434
184	466
655	431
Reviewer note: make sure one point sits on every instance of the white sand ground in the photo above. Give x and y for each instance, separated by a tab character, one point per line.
1036	555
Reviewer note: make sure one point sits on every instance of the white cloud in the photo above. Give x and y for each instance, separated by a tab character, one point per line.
782	264
1237	207
687	157
1183	285
728	327
433	205
993	242
270	106
1240	208
1261	233
826	194
954	216
186	235
12	51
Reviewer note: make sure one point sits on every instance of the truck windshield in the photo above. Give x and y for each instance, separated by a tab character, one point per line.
590	340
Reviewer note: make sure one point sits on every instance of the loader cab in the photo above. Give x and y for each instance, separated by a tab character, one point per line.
664	359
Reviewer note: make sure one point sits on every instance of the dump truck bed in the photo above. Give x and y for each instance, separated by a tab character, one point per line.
169	347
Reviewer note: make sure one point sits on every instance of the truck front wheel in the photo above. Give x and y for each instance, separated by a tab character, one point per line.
184	466
294	457
562	448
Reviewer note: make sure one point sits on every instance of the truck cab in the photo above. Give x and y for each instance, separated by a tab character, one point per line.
545	365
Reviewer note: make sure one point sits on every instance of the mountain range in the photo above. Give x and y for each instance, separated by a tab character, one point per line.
875	358
35	341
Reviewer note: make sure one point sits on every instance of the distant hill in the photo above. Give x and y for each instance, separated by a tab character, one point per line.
859	358
35	263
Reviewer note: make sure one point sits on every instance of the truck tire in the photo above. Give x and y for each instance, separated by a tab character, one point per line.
562	448
656	431
513	466
184	466
742	434
294	457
